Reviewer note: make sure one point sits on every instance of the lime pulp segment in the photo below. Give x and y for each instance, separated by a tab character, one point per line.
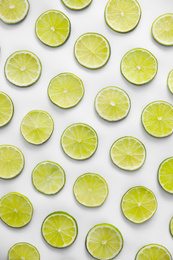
22	251
165	175
171	226
152	252
6	109
77	5
170	81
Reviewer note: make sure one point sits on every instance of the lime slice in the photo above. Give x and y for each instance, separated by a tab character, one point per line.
23	68
77	4
112	104
52	28
66	90
11	161
48	177
138	204
6	109
13	11
23	250
157	118
171	226
15	210
128	153
165	175
170	81
37	127
153	252
104	241
139	66
162	29
59	229
90	190
92	50
122	16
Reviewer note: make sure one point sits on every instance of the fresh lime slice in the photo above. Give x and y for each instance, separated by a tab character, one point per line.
90	190
66	90
79	141
153	252
92	50
11	161
139	66
15	210
104	241
162	29
59	229
6	109
48	177
128	153
112	103
171	226
23	68
77	4
170	81
157	118
122	16
13	11
52	28
138	204
165	175
37	127
23	251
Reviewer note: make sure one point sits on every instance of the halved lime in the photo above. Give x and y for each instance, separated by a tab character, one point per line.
48	177
52	28
92	50
157	118
66	90
22	68
6	109
77	4
13	11
128	153
138	204
153	252
122	16
59	229
162	29
165	175
104	241
79	141
139	66
171	226
112	104
15	210
37	127
23	251
170	81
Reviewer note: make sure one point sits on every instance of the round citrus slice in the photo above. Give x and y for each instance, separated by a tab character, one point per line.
128	153
138	204
79	141
37	127
122	16
170	81
139	66
6	109
23	250
66	90
152	252
165	175
15	210
92	50
77	4
157	118
52	28
104	241
59	229
171	226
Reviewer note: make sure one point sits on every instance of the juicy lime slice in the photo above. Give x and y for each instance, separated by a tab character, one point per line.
128	153
152	252
13	11
138	204
77	4
66	90
23	250
165	175
162	29
92	50
37	127
6	109
104	241
157	118
139	66
11	161
59	229
15	210
171	226
122	16
79	141
90	190
52	28
112	103
170	81
48	177
23	68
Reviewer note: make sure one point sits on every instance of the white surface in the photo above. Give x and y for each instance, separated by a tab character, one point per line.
61	59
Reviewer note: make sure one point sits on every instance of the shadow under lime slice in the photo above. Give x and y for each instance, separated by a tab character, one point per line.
23	250
6	109
170	81
152	252
77	4
165	175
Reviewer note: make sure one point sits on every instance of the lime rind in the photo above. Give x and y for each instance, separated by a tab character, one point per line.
169	83
21	244
75	8
155	245
12	108
171	226
159	172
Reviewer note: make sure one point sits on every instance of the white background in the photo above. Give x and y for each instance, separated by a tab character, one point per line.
61	59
